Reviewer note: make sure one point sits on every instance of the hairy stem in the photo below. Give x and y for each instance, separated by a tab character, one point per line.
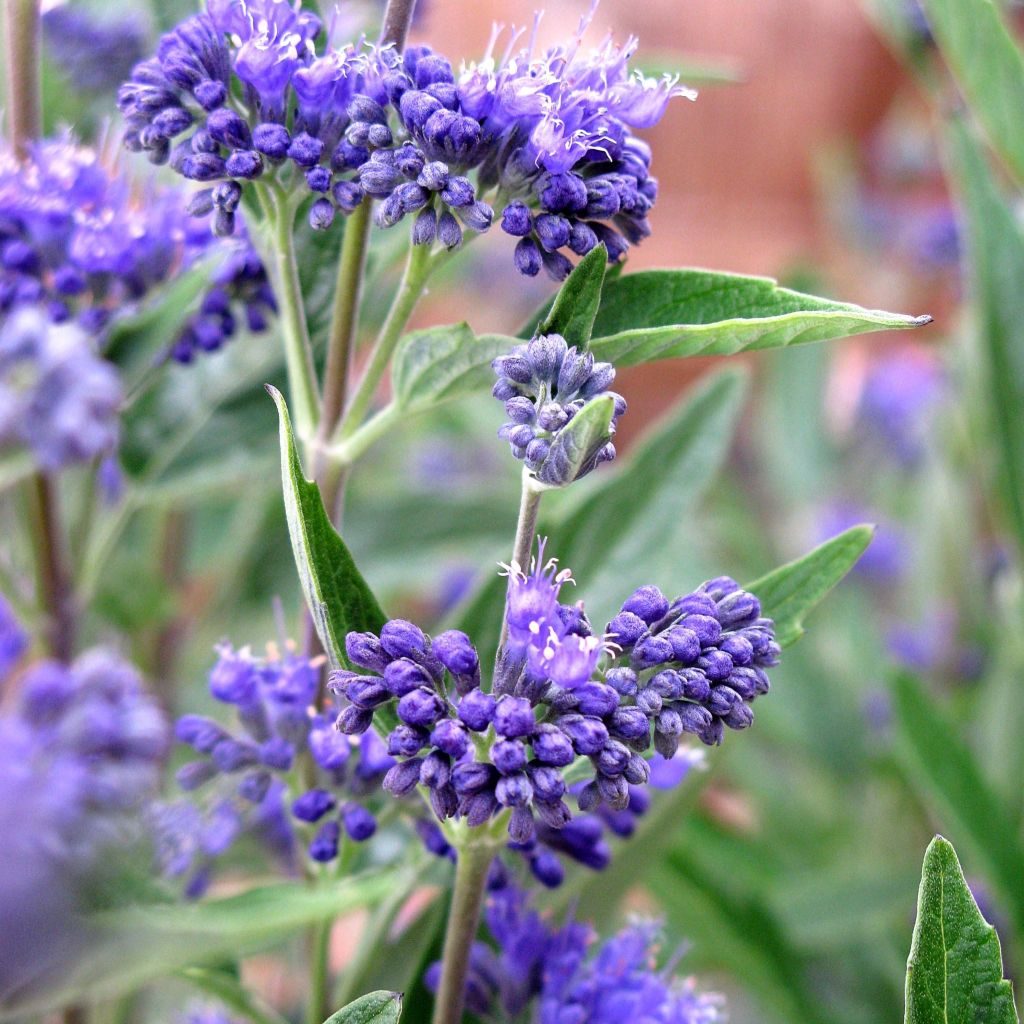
463	917
414	277
344	317
24	104
397	19
56	594
526	528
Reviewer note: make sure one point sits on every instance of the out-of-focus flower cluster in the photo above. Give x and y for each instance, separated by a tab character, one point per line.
693	665
94	54
286	776
82	242
241	93
565	977
81	751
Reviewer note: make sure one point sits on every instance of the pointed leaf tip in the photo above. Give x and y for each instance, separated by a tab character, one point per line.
381	1007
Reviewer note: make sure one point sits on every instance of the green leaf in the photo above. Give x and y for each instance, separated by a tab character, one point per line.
995	244
373	1008
955	969
339	598
988	67
442	363
126	948
665	314
575	447
788	594
945	772
575	307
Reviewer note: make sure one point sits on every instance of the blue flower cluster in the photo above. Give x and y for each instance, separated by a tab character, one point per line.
240	92
81	242
688	666
556	971
287	757
544	384
58	398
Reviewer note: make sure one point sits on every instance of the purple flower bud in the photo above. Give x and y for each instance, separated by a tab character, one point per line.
740	716
271	140
588	735
449	234
244	163
402	639
685	644
509	756
739	649
651	651
360	824
277	753
637	773
521	827
613	758
323	848
552	231
312	805
738	609
194	774
695	685
232	755
513	717
479	808
477	216
420	707
472	777
597	699
367	691
403	676
556	815
318	179
545	354
254	786
582	238
407	740
198	731
514	790
424	228
450	736
648	603
203	167
434	176
696	603
649	701
348	195
622	679
403	778
527	258
456	652
435	771
305	149
210	94
321	215
365	650
547	869
352	721
229	129
416	107
548	784
553	747
575	369
477	710
716	665
695	719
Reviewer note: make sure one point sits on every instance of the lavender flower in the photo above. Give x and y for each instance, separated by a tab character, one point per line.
81	749
80	242
250	778
534	963
544	384
58	397
13	639
550	134
559	693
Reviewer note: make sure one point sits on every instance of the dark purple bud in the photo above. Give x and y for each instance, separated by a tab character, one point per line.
740	716
739	649
716	665
348	195
244	163
513	717
232	755
409	160
194	774
424	228
415	107
407	740
545	354
614	791
582	238
321	215
520	409
649	701
516	219
347	157
552	231
629	724
436	770
527	257
509	756
403	778
420	707
556	266
561	193
695	685
537	451
738	609
479	808
637	772
573	374
210	94
589	797
555	814
312	805
450	736
305	149
360	824
199	732
547	869
622	679
719	587
402	639
707	628
669	722
271	140
597	699
649	603
696	603
746	682
203	167
404	675
472	777
172	121
685	644
277	753
514	790
255	786
379	136
318	179
521	827
588	735
324	846
444	802
365	650
651	651
456	652
367	691
449	234
515	367
613	759
714	733
352	721
695	719
434	176
477	216
229	129
477	709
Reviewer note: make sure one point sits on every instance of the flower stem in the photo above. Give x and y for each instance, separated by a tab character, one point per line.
417	269
397	19
55	588
526	528
298	349
320	948
344	317
463	917
24	103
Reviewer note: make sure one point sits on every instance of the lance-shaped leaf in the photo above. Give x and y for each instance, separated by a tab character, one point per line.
988	66
788	594
575	307
373	1008
442	363
574	450
339	598
665	314
955	969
